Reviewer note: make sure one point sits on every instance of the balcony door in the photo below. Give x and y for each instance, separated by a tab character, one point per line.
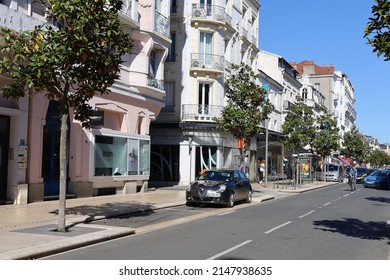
206	49
204	99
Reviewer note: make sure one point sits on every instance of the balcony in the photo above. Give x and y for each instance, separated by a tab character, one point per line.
162	24
129	12
208	62
208	13
351	110
200	113
153	82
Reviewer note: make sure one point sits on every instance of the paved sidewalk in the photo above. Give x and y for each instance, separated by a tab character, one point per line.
29	231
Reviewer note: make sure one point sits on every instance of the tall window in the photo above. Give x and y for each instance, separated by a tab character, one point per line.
169	96
152	64
172	49
206	48
304	93
204	98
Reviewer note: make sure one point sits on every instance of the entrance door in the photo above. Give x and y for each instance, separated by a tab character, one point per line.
51	160
51	150
4	145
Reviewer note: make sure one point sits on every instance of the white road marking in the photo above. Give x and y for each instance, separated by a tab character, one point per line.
275	228
307	214
345	195
229	250
226	213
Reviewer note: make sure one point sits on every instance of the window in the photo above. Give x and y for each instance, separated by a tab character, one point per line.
206	48
304	93
172	49
204	98
169	97
121	156
152	64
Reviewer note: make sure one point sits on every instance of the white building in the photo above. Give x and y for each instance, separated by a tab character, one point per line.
207	37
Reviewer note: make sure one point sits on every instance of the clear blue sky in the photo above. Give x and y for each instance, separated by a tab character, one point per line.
331	32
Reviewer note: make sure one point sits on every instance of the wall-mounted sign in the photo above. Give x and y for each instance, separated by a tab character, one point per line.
97	119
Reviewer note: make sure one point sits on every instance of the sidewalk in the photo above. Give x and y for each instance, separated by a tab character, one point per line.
29	231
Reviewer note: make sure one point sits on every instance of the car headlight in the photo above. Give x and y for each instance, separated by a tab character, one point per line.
221	188
188	188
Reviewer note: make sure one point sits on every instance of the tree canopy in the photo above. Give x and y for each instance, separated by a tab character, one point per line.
377	30
354	146
247	104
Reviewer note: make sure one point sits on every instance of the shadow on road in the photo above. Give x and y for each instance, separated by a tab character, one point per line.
355	228
379	199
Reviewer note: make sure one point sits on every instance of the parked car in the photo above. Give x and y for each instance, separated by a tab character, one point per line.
219	186
362	172
378	179
333	172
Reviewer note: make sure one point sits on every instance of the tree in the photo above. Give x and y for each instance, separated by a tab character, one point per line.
378	158
70	61
247	106
299	130
354	146
377	30
298	127
327	136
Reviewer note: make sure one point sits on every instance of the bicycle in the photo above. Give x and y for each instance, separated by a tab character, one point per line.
352	183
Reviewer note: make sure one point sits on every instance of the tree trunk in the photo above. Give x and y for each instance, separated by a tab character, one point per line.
63	172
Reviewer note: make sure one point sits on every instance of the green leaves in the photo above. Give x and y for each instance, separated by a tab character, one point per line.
302	128
247	104
377	30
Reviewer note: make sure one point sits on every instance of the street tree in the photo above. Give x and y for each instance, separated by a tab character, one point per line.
299	129
327	136
70	61
247	106
378	158
377	30
354	146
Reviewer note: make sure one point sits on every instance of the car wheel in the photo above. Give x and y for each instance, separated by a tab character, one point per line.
231	200
249	197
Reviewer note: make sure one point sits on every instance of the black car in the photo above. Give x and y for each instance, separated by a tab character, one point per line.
362	172
219	187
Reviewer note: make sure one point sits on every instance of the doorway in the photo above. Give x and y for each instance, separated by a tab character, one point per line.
51	150
4	146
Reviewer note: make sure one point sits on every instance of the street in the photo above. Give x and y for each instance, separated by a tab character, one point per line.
327	224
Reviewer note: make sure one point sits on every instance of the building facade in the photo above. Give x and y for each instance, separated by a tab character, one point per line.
207	37
114	156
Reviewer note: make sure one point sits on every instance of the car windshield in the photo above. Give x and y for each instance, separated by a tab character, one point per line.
360	170
332	167
215	176
381	173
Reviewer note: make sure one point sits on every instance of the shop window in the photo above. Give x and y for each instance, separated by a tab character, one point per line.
120	156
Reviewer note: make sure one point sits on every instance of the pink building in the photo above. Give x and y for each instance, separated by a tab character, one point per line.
114	156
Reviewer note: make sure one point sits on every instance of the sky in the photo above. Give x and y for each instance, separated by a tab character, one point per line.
331	32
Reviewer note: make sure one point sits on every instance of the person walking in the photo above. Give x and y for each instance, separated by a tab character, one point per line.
352	177
261	171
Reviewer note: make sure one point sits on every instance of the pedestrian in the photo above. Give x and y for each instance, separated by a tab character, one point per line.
352	177
261	171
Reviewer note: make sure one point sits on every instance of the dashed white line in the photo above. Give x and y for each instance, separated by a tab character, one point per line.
230	250
275	228
307	214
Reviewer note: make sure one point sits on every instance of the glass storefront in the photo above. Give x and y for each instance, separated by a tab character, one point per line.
121	156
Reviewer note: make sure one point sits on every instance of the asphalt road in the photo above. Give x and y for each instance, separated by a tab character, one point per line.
327	224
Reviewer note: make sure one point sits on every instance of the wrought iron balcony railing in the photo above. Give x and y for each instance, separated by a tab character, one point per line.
210	12
162	24
153	82
208	61
200	113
